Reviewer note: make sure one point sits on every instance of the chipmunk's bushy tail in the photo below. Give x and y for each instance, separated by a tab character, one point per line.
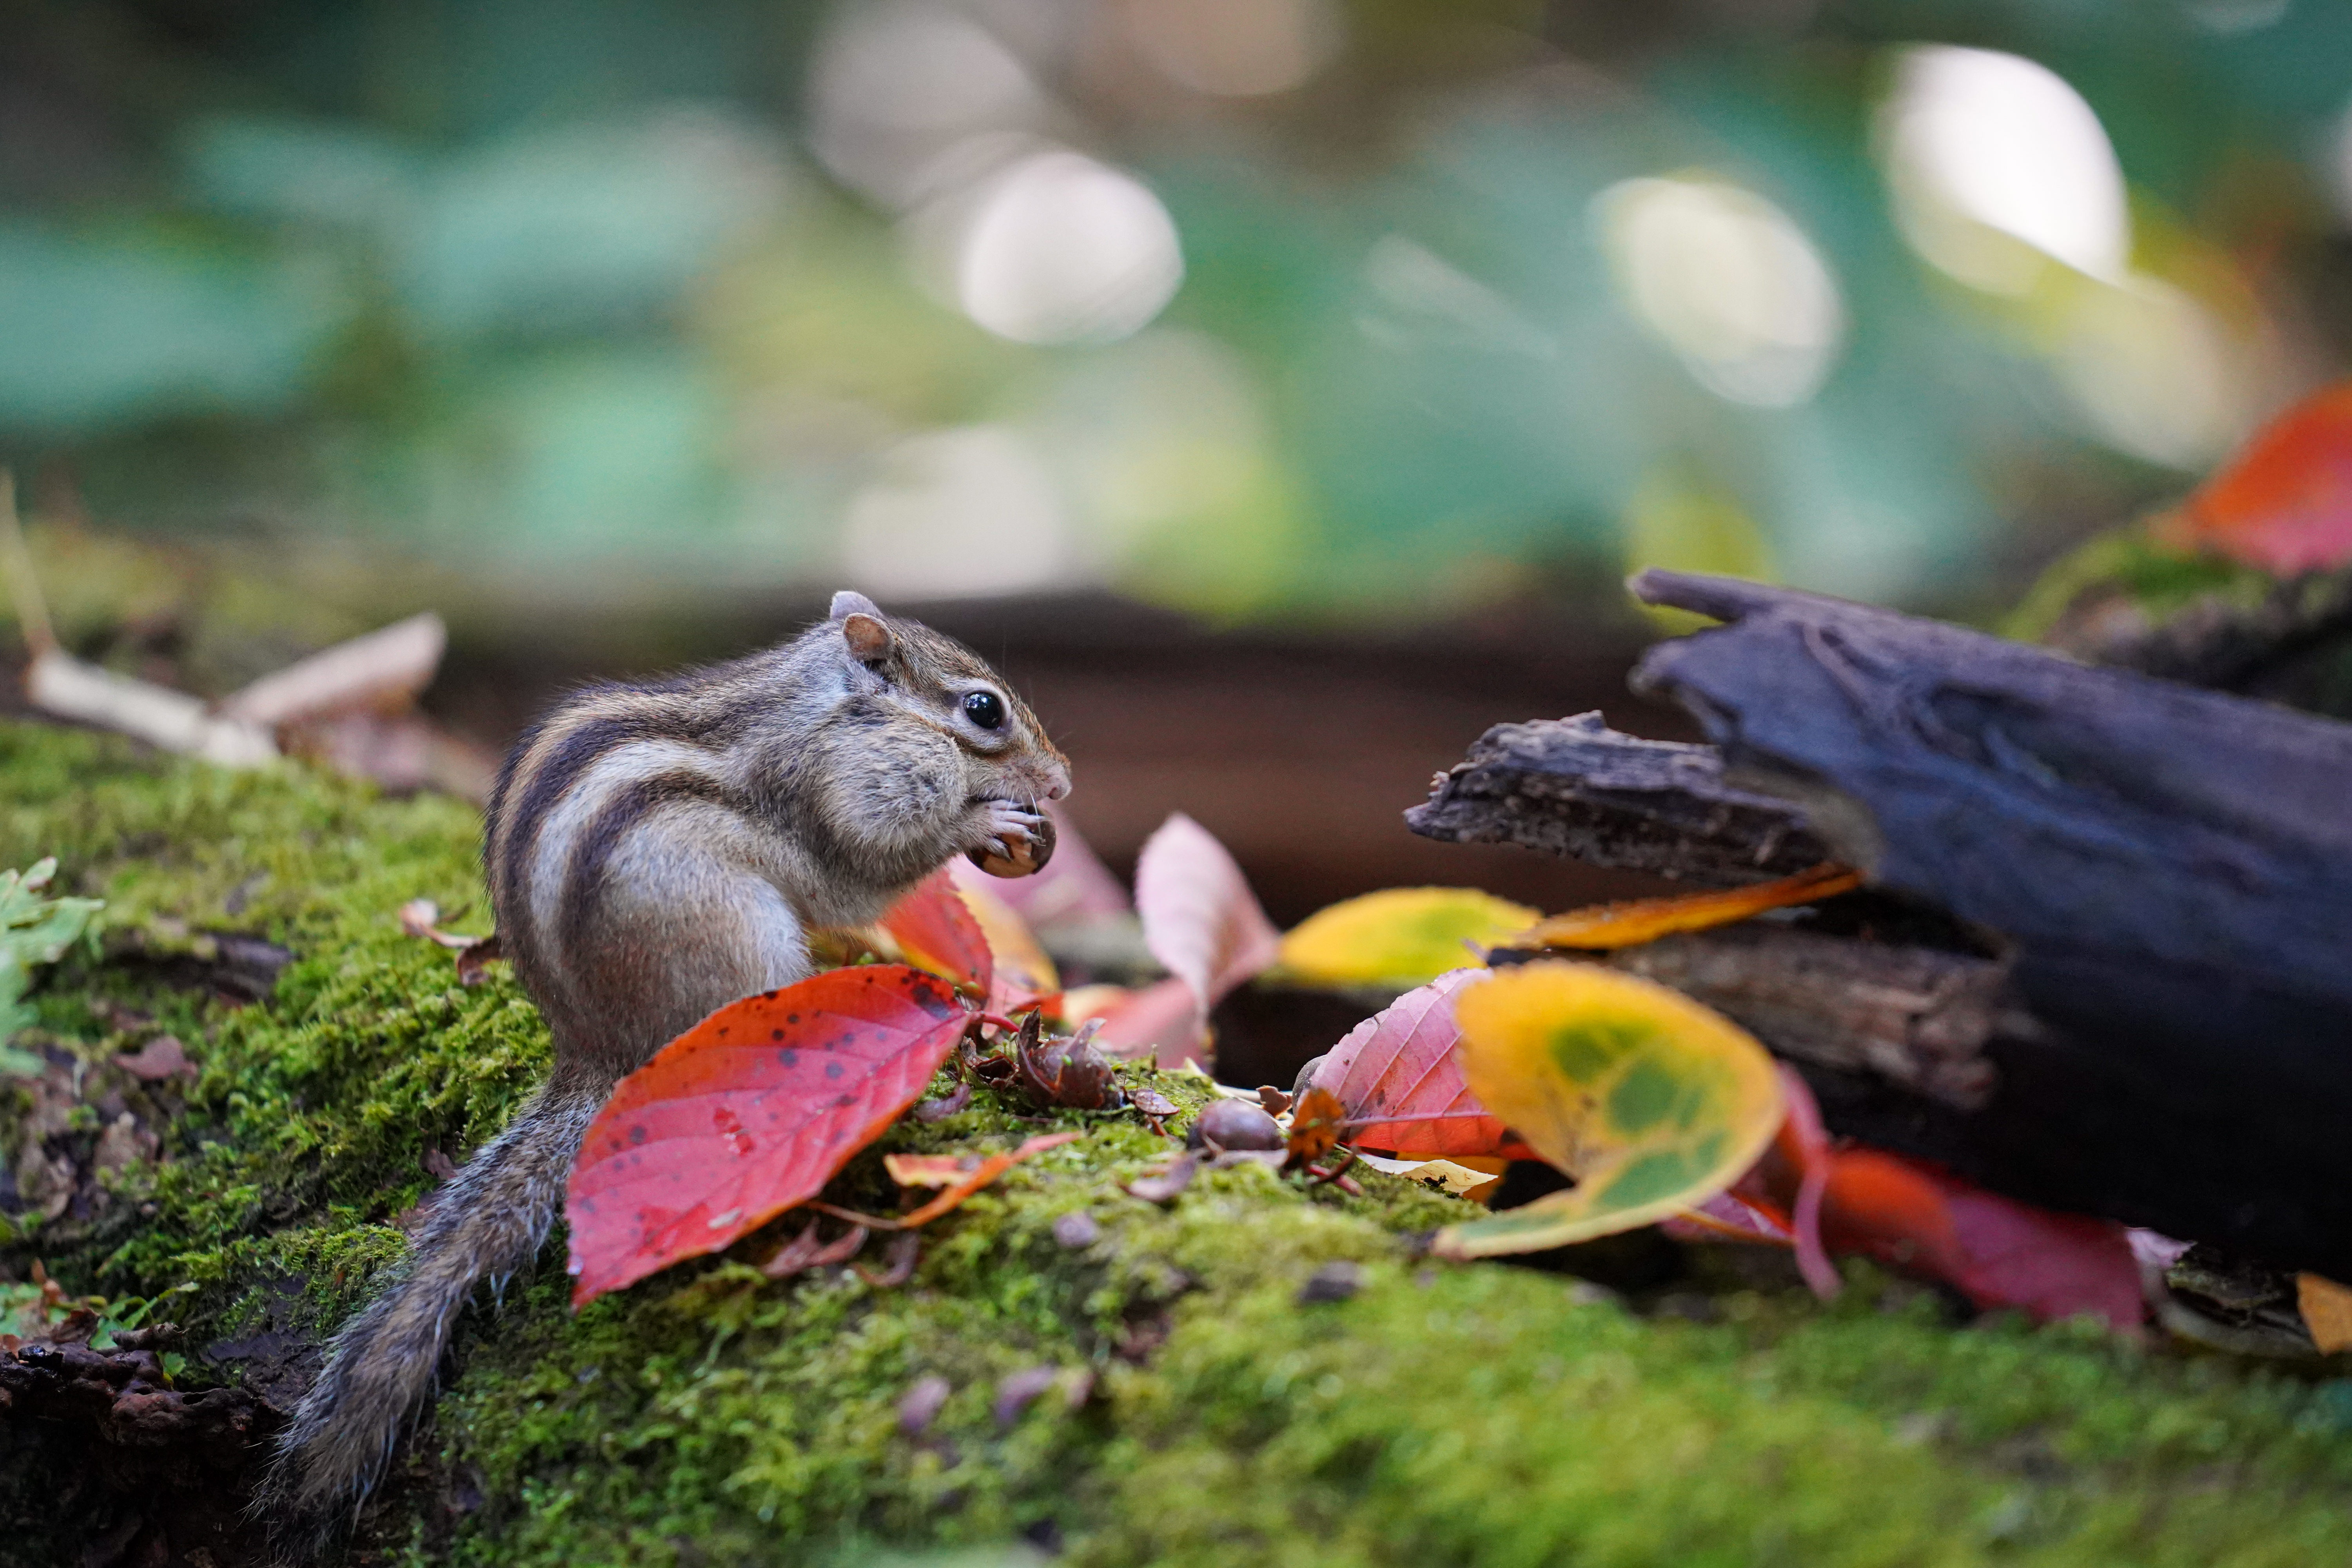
487	1221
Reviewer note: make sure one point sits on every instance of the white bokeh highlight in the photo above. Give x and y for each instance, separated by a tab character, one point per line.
1729	281
958	512
1994	163
1056	247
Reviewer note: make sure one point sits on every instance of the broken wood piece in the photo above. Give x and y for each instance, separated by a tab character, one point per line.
383	668
1576	787
57	683
2175	866
1912	1015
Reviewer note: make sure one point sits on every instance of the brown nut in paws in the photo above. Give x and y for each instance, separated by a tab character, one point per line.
1029	852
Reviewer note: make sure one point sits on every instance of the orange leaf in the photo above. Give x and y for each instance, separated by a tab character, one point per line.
1637	920
748	1114
2284	505
1316	1125
929	1170
1022	969
970	1182
938	932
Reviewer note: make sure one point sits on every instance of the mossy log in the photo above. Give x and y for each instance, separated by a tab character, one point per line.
1201	1407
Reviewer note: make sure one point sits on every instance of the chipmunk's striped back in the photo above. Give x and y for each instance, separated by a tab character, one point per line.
654	852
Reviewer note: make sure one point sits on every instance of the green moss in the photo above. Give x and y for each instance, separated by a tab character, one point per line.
1474	1414
2161	581
307	1129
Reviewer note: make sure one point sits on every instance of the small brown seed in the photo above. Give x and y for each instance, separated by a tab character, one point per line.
1235	1124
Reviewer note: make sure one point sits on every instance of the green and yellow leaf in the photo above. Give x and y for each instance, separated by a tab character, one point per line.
1651	1101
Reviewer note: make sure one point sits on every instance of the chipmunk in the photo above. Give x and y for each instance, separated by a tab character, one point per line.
654	852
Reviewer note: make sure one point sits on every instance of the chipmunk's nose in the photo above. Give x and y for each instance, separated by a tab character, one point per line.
1057	785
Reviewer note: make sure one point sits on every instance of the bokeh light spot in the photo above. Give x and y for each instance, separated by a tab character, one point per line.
1985	150
1236	49
1730	283
958	512
1058	248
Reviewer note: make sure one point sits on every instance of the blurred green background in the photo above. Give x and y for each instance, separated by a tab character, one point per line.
1292	311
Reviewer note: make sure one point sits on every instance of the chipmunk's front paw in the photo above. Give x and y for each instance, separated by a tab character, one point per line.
1017	840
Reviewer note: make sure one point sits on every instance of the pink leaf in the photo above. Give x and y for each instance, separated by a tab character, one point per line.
1400	1062
1161	1023
748	1114
1807	1144
1200	918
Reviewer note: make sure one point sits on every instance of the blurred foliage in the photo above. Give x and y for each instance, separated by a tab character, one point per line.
630	295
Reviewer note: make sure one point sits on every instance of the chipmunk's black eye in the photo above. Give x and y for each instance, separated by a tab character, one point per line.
984	708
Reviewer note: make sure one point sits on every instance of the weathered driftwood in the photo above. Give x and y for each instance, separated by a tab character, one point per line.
1916	1016
2175	866
2168	872
1576	787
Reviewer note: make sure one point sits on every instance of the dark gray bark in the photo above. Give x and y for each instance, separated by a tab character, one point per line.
2164	872
1576	787
1917	1017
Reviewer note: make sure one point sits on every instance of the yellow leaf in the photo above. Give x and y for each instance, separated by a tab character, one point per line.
1651	1101
1400	936
2326	1312
1022	965
1637	920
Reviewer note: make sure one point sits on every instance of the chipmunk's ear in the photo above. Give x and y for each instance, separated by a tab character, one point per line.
862	627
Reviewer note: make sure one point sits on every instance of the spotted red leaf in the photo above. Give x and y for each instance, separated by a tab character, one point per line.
1401	1063
748	1112
941	933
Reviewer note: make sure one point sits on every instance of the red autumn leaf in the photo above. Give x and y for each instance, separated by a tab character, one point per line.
2284	505
939	932
1996	1251
1200	918
748	1114
1400	1063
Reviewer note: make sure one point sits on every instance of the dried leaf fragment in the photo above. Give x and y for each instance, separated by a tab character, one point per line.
1164	1184
805	1252
160	1058
921	1403
897	1264
2326	1312
1634	921
1316	1126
